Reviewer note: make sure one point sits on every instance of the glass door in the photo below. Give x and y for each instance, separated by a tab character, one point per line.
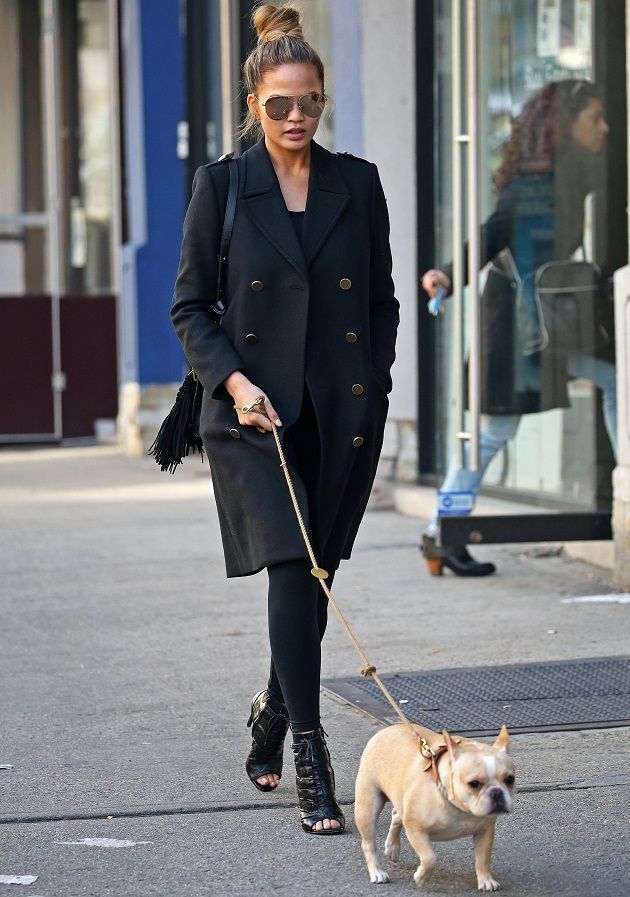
57	219
529	234
30	361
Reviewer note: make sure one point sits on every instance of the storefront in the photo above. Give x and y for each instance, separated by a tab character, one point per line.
58	219
529	166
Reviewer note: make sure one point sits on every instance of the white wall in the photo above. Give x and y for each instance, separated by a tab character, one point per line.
389	122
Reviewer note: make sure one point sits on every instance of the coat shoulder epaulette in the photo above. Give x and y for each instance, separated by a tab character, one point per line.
356	158
224	158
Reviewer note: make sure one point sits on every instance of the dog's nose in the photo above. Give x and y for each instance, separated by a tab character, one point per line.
498	803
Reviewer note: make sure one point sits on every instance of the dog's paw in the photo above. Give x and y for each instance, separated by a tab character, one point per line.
378	877
424	871
420	876
487	883
392	850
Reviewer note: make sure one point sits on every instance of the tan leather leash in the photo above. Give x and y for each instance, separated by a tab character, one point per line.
368	669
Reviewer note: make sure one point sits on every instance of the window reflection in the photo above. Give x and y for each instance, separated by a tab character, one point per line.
23	262
91	211
547	314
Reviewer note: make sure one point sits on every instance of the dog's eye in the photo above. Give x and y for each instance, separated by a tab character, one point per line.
509	781
475	784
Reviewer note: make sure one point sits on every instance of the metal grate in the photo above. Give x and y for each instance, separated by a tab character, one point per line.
530	697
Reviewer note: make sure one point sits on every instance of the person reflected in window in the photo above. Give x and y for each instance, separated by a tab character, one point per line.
544	320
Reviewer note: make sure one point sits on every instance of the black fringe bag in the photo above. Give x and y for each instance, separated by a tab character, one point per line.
179	435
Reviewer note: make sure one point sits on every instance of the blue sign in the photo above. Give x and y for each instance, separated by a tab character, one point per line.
454	504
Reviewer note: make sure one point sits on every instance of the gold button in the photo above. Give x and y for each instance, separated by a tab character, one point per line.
345	283
357	442
351	337
251	338
357	389
234	433
257	286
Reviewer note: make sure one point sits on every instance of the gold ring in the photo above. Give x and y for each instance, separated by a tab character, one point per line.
257	407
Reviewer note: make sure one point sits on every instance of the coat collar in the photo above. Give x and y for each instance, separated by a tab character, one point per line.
262	198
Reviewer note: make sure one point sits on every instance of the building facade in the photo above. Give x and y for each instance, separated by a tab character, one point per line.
59	219
112	104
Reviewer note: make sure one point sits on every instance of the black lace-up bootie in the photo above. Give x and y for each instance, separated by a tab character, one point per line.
270	722
315	781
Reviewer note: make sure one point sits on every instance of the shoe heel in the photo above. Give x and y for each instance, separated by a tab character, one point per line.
435	566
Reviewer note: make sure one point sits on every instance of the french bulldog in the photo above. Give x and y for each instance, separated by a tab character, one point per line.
446	789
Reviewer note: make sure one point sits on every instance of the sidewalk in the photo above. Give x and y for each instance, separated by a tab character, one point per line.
128	661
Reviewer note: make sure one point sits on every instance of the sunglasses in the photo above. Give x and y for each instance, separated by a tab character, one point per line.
311	104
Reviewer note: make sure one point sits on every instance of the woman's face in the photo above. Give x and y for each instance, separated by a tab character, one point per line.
294	80
589	128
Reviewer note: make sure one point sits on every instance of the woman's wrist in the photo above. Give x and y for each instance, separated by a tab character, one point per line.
234	382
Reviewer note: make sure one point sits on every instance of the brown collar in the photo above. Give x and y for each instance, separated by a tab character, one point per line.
432	756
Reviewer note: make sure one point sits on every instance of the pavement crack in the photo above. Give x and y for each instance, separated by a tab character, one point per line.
200	809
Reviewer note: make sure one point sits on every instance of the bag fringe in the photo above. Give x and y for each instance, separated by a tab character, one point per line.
178	435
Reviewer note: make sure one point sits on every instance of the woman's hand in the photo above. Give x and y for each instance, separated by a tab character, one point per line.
244	392
433	279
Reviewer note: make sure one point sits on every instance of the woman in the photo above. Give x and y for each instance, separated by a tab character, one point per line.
551	162
310	327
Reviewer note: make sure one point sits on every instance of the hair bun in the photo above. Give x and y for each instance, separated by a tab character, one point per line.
275	22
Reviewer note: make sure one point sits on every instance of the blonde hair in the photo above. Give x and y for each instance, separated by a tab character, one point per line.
280	42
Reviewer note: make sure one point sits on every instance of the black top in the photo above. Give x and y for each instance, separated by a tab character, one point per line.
297	219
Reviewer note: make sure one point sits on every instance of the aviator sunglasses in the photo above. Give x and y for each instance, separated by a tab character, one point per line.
311	104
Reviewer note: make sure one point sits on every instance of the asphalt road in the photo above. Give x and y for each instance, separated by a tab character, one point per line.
127	663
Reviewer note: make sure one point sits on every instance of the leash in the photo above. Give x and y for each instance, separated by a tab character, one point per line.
368	669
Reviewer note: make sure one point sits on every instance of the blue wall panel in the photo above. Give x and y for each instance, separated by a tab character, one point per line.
163	83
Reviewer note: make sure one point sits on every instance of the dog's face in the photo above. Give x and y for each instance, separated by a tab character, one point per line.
483	776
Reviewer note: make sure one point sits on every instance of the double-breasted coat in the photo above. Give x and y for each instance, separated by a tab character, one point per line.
320	313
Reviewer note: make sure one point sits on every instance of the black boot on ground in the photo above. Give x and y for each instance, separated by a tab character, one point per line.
269	721
315	781
456	559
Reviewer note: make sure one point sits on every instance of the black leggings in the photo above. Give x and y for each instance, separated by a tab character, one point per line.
297	605
298	610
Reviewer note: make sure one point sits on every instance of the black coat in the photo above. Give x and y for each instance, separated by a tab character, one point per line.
321	313
538	218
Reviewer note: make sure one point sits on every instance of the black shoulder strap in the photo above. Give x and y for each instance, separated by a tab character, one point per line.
218	306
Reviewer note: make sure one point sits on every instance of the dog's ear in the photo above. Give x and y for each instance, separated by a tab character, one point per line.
451	744
503	739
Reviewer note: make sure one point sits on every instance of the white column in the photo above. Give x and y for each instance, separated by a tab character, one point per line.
621	475
389	129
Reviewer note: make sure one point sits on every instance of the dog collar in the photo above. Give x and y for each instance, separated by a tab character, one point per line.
432	756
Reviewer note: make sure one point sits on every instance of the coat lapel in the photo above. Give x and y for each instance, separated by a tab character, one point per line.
328	196
263	201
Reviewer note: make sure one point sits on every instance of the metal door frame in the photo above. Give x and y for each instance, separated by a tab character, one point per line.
475	529
465	156
48	220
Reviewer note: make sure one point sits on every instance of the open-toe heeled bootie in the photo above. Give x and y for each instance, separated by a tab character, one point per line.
315	781
270	722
